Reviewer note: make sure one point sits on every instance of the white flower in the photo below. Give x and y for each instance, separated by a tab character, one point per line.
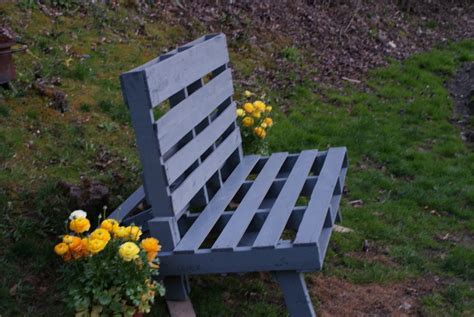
77	214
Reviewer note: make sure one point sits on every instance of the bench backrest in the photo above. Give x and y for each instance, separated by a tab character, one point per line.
189	151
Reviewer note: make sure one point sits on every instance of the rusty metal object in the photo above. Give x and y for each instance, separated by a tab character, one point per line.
7	67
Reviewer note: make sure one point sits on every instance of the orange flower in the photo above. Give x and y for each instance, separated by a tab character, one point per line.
151	247
76	247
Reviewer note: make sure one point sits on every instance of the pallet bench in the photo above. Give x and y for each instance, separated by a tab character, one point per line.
213	209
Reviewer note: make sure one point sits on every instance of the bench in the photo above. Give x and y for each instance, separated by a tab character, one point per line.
213	209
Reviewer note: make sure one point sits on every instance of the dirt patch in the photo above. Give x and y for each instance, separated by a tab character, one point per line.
338	297
461	88
336	41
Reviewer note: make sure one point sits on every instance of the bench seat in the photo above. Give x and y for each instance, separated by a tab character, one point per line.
284	207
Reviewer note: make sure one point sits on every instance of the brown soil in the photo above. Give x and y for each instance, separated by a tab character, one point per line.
338	41
338	297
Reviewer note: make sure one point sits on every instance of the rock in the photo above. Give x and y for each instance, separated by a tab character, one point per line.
90	196
405	306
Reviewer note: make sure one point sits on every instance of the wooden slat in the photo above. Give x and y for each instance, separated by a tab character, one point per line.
182	160
171	73
209	216
243	215
183	117
128	205
136	97
286	200
242	259
313	219
196	180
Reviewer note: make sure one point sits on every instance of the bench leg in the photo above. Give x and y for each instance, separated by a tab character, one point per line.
295	292
177	288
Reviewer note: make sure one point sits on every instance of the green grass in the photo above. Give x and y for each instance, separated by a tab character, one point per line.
407	163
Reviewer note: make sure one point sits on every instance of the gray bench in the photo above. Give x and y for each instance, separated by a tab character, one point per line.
213	209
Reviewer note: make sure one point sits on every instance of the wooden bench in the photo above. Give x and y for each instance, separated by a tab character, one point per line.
213	209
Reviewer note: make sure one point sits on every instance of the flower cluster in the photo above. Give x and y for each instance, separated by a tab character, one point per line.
255	116
77	246
126	285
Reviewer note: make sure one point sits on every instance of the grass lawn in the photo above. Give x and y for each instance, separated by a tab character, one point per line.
409	166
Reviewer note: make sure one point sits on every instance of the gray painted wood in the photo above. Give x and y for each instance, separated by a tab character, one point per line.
197	179
187	220
182	118
313	220
182	160
296	294
243	215
128	205
167	231
285	202
181	308
178	69
179	170
209	216
241	260
135	92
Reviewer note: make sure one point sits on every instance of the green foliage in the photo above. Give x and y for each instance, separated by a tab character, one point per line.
460	261
291	54
104	283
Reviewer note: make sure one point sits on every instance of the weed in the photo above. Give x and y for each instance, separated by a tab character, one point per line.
291	54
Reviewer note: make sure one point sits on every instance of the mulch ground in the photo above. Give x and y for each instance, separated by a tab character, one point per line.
339	40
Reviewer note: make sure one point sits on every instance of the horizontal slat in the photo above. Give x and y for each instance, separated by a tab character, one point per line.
209	216
128	205
174	71
242	259
313	219
286	200
243	215
183	117
196	180
182	160
293	223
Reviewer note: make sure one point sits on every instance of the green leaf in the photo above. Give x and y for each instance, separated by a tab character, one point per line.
105	299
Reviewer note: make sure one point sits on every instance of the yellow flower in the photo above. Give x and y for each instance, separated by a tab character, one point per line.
247	121
129	251
264	125
240	112
256	114
79	225
268	108
248	107
268	121
259	105
121	232
260	132
61	248
96	245
248	93
109	224
68	239
100	234
135	232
